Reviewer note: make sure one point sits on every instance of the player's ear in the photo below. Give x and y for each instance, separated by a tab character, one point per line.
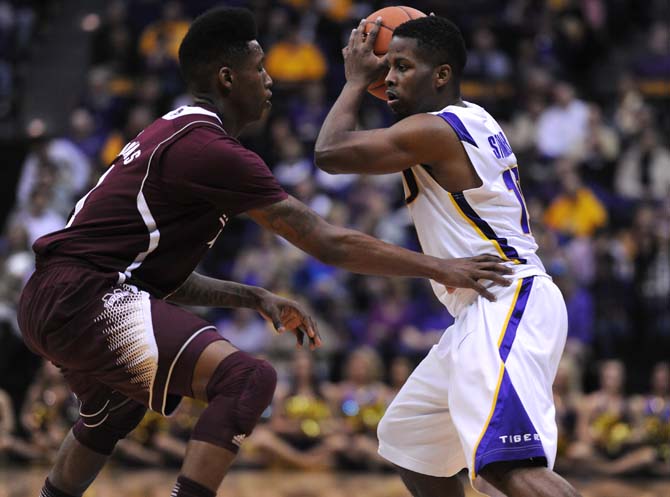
442	75
225	78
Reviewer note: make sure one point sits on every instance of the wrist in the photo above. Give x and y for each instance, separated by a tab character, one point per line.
258	296
357	85
434	271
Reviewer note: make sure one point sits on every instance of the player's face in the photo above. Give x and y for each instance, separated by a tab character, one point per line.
251	91
409	83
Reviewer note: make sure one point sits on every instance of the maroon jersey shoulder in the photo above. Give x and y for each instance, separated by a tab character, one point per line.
164	200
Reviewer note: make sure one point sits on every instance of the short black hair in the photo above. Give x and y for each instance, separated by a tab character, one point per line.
217	37
439	40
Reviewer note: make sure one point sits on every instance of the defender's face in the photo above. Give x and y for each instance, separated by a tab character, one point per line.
251	87
409	82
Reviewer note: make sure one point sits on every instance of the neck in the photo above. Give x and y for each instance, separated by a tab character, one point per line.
443	102
230	122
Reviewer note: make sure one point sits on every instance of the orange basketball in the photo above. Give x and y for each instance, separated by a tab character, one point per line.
392	17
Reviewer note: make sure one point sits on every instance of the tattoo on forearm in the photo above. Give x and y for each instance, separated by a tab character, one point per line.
200	290
291	220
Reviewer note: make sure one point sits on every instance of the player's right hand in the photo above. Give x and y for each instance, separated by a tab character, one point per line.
360	62
285	314
465	273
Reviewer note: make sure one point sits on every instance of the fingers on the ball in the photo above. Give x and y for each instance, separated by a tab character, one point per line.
372	34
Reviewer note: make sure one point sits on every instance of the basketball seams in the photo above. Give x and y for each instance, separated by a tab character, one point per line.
409	16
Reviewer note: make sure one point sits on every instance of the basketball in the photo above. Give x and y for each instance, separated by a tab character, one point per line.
392	17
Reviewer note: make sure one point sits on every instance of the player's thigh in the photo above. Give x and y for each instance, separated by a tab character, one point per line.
503	358
416	432
143	347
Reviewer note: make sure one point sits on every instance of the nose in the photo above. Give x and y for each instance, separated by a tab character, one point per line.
268	81
390	79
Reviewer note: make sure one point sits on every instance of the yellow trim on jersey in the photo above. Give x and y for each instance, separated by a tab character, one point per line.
495	243
500	377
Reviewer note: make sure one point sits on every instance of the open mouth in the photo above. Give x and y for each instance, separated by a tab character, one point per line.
391	97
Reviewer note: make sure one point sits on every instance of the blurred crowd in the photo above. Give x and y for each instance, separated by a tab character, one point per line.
582	90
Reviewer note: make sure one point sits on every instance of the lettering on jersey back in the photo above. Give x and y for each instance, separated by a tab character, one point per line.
500	146
130	152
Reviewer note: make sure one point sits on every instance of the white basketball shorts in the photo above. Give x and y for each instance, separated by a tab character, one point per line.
483	393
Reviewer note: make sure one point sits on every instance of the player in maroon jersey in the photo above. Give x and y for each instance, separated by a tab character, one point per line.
101	302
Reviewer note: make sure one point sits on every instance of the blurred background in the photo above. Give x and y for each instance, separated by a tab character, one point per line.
582	90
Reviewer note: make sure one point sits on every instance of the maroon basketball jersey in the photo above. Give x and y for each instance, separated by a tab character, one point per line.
164	201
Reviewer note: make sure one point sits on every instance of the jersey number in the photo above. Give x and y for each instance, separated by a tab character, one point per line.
511	177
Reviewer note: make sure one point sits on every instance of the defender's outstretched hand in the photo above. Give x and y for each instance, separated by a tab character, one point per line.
465	273
360	62
285	314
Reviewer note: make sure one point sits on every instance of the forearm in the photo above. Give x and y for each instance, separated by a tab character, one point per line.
363	254
203	291
341	119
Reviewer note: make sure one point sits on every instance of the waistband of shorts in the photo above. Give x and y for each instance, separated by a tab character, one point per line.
43	262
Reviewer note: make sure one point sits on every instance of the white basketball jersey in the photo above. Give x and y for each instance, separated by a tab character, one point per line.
490	219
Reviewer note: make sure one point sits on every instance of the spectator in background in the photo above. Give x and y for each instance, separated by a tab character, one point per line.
521	131
138	119
579	304
631	113
654	61
643	172
567	398
308	111
598	150
652	281
114	45
485	60
361	398
163	37
10	444
604	421
576	211
84	135
562	126
652	414
66	167
246	330
295	60
37	217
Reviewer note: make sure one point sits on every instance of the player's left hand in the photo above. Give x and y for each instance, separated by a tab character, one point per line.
361	65
287	315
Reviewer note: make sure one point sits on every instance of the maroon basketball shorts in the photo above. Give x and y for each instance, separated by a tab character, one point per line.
111	339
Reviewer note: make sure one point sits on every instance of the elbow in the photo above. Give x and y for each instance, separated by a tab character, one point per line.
327	161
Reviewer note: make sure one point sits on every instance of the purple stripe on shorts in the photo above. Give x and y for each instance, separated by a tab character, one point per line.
510	435
515	318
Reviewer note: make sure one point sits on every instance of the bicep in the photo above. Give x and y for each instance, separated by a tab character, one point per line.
377	151
381	151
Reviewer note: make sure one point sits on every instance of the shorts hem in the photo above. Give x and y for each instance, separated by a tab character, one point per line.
190	351
398	458
511	454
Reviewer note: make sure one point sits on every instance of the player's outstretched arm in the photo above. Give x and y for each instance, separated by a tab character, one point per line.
283	313
360	253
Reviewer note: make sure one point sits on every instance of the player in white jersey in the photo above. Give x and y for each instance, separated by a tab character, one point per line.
482	397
